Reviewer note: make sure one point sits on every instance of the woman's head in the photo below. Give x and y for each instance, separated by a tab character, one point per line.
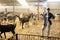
48	9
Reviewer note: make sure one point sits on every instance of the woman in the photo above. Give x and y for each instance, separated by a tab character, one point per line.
47	21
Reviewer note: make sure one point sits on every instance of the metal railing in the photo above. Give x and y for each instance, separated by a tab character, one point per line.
31	37
34	37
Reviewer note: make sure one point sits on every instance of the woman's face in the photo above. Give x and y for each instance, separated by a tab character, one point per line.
48	11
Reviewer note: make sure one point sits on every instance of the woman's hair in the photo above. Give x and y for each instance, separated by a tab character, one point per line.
48	8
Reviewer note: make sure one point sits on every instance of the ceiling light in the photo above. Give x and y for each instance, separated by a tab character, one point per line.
23	3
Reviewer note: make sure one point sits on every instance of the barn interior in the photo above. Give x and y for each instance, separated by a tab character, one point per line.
23	8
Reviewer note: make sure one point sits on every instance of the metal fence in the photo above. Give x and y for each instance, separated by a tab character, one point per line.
55	11
34	37
31	37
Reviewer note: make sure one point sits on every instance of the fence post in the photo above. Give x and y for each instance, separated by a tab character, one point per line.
16	36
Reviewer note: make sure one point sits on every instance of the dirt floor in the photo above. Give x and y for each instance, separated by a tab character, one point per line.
35	28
